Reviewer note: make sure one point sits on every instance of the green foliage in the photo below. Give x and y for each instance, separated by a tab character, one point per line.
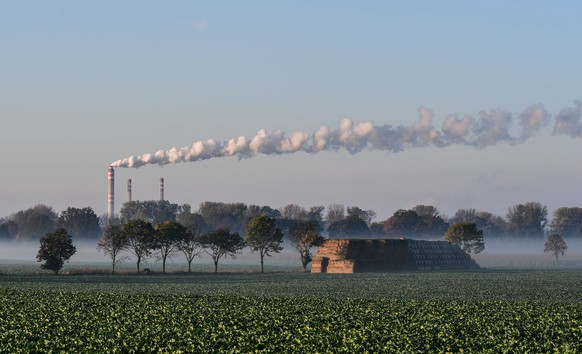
351	226
166	238
527	220
112	243
35	222
140	239
304	236
493	312
422	220
264	237
221	243
223	215
55	248
466	235
81	223
492	225
568	222
152	211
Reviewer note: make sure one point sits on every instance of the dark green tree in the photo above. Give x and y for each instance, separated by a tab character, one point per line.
405	223
304	236
555	244
8	230
112	243
35	222
223	215
190	245
81	223
166	240
466	235
351	226
264	236
55	248
152	211
492	225
366	215
567	222
527	220
140	239
221	243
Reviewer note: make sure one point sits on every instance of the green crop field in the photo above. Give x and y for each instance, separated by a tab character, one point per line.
488	311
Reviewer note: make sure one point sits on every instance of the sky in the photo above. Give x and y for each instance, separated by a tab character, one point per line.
84	84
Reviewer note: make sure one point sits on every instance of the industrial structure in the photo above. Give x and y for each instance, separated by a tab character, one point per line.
381	255
111	191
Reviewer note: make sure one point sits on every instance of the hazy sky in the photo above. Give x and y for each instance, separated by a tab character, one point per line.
83	84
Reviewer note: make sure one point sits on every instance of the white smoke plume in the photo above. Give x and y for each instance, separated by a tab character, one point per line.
489	128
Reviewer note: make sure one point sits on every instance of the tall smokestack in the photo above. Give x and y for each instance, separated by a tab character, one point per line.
110	192
129	189
161	189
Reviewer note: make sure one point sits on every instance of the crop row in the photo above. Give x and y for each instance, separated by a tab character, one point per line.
50	320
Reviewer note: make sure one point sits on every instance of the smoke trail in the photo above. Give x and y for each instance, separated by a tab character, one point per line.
489	128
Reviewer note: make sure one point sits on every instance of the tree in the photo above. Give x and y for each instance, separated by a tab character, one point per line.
335	212
80	223
555	244
351	226
35	222
527	220
492	225
366	215
166	238
190	246
195	226
55	248
112	243
466	235
8	229
223	215
140	237
404	223
221	243
264	237
567	222
152	211
304	236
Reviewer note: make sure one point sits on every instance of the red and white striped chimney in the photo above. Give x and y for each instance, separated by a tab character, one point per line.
110	192
161	189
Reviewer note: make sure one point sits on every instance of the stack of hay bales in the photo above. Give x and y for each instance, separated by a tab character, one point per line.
381	255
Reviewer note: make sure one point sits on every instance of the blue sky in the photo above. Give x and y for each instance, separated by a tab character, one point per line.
83	84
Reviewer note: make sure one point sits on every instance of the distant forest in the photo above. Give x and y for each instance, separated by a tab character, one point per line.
522	221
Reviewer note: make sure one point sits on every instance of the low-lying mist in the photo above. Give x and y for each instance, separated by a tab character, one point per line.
498	253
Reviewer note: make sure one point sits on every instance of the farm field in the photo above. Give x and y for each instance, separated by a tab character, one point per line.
488	311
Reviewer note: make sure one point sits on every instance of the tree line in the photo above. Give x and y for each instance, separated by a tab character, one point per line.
163	229
522	221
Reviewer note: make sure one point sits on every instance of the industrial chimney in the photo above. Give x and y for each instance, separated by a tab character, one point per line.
110	192
161	189
129	189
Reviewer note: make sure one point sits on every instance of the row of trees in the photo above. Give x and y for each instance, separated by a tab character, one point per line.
142	239
528	220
